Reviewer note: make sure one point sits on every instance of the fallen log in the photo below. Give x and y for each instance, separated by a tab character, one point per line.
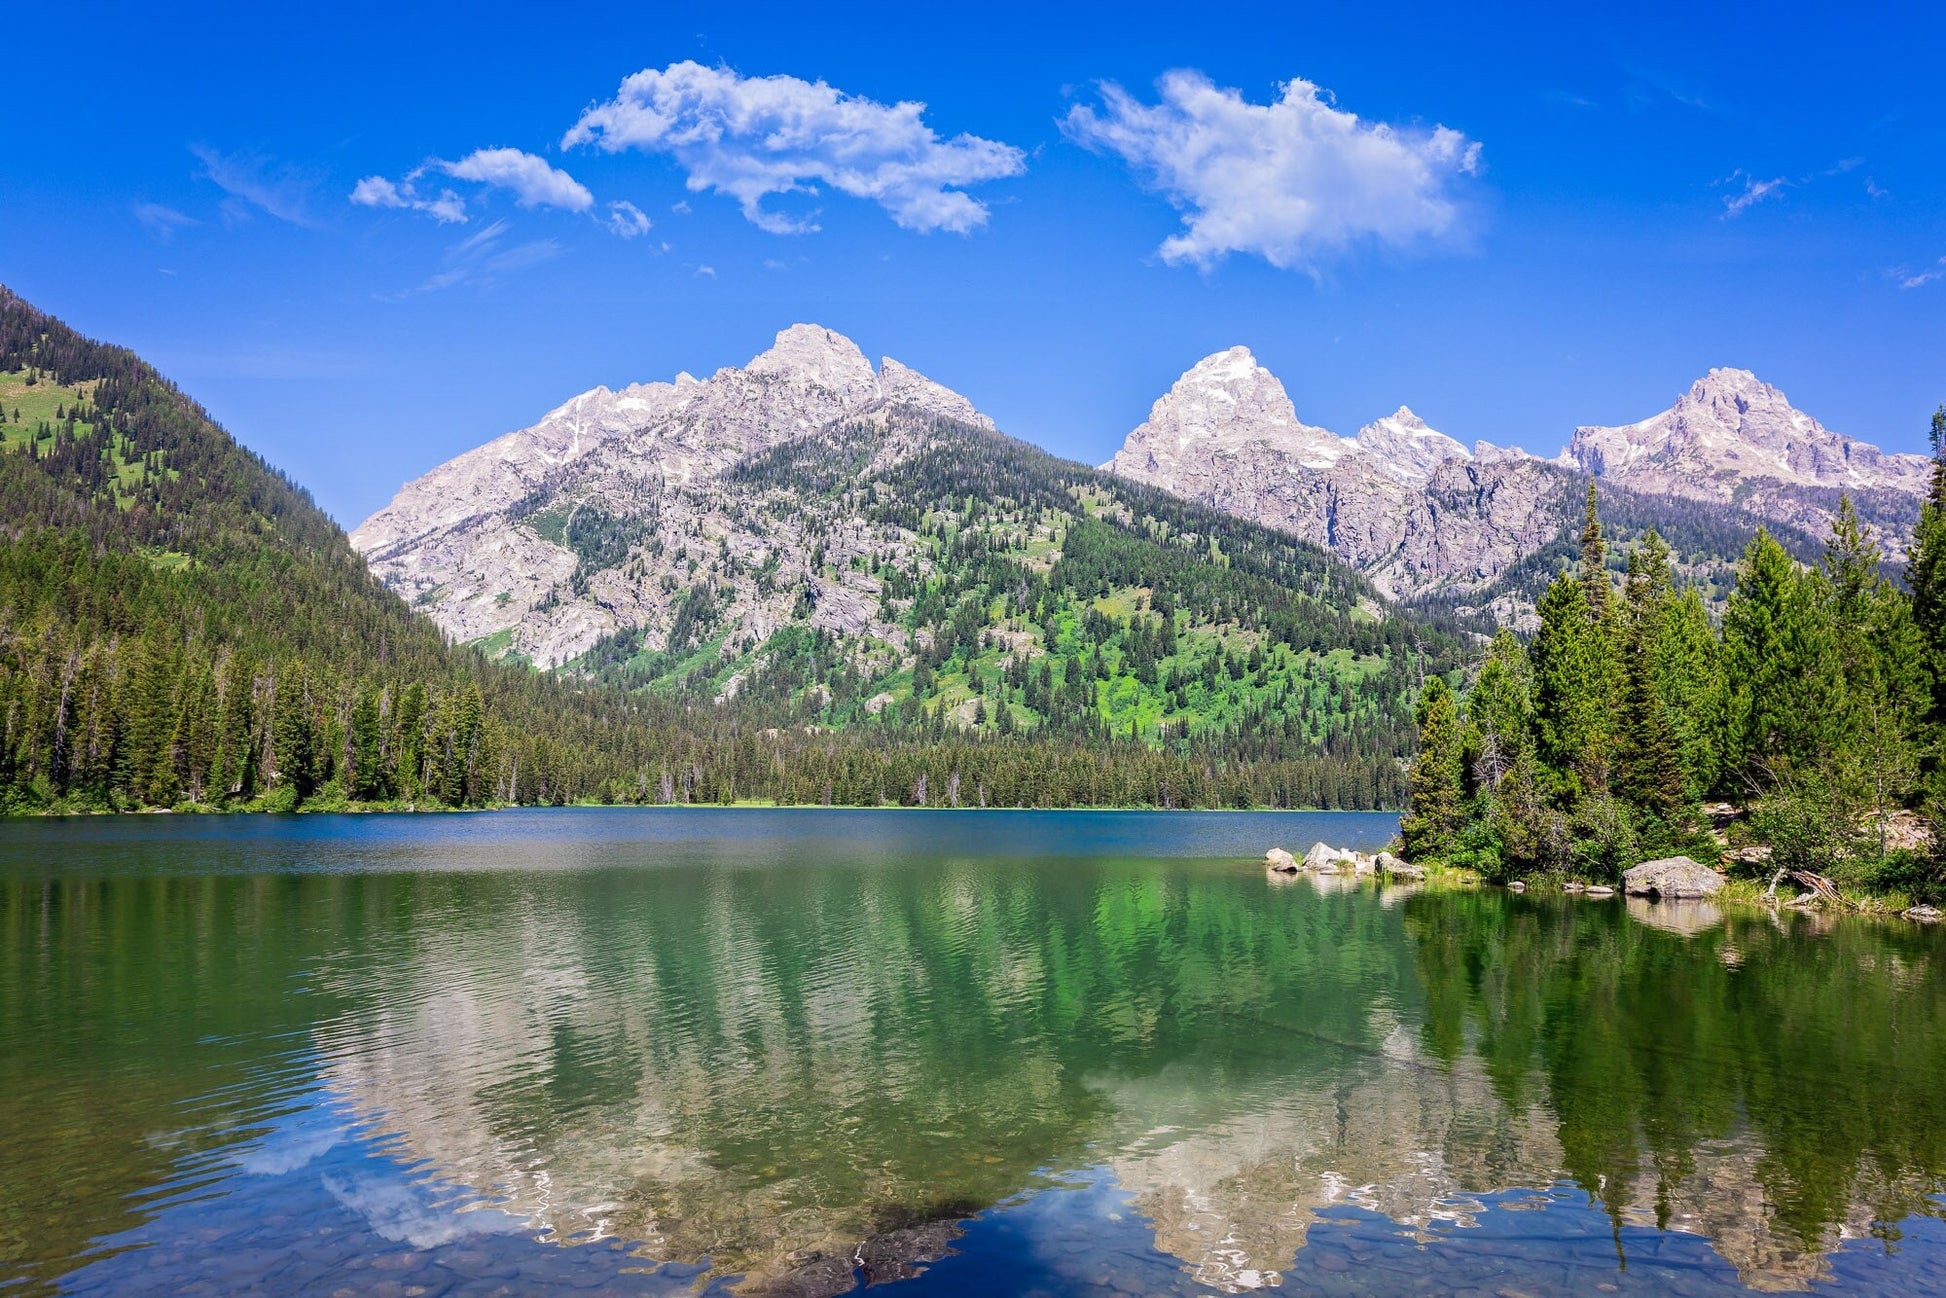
1827	891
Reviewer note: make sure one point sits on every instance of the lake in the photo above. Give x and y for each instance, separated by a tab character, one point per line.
796	1052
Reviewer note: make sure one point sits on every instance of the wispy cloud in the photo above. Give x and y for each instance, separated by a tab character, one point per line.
755	137
1298	181
484	258
252	181
446	207
1919	279
1753	191
626	220
1649	88
162	222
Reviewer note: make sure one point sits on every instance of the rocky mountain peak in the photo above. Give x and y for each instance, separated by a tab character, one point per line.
1408	448
1224	400
1729	427
813	355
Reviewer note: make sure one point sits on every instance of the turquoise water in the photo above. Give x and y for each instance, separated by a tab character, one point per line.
988	1052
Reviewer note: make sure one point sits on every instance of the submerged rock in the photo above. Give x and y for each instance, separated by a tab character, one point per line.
1281	861
1599	890
1672	877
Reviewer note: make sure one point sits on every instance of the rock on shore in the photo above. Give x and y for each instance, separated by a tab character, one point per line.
1671	878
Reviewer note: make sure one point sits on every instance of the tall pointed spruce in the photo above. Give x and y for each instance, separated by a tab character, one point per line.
1432	821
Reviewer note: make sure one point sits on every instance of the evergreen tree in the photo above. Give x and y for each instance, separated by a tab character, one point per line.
1650	772
291	732
1925	572
1689	677
1434	813
1571	691
1500	712
1594	561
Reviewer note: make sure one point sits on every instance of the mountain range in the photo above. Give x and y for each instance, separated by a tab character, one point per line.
808	580
600	520
1422	515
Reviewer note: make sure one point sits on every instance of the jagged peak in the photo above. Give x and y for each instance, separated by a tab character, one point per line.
1228	366
811	353
1407	447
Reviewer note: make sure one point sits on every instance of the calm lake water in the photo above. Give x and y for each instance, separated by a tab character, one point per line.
797	1052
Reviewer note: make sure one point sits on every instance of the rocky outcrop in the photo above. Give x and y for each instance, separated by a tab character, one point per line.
1672	878
1392	867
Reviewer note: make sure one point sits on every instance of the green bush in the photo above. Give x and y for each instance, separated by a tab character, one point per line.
1604	840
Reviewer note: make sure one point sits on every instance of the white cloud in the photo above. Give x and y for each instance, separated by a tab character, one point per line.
376	191
251	181
754	137
532	180
1936	271
1297	181
481	259
1754	191
626	220
162	222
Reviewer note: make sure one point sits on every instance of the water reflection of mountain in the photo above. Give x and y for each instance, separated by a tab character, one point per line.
802	1074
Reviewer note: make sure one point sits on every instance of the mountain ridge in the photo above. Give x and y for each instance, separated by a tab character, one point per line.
1423	517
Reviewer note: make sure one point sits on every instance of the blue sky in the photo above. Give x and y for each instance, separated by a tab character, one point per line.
1513	220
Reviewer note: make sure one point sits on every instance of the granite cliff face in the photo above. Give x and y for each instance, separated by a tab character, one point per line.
591	520
1421	516
1732	438
1403	502
603	516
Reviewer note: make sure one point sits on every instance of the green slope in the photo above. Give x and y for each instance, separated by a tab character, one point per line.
181	626
1030	595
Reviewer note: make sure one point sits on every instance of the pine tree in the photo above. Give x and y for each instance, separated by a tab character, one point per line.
1500	711
367	748
1689	678
1649	769
1594	561
1571	691
1434	813
1925	572
292	735
1784	704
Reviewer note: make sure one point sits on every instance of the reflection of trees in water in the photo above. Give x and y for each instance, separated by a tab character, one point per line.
809	1074
1772	1088
766	1068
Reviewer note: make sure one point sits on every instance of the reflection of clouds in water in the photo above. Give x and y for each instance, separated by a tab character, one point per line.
406	1214
800	1088
303	1135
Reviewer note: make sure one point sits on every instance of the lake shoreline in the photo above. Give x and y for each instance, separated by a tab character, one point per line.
380	808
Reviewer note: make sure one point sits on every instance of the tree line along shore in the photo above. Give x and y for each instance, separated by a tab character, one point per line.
1802	735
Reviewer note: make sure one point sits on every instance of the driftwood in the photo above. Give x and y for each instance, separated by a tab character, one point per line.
1826	890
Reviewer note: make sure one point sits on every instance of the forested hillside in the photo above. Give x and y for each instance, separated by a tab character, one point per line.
1036	597
181	627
